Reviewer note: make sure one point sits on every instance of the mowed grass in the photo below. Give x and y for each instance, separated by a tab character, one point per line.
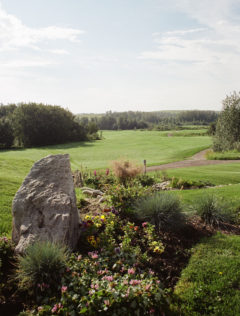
135	145
210	284
229	193
215	174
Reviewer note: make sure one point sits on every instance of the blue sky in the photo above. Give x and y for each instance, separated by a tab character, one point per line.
92	56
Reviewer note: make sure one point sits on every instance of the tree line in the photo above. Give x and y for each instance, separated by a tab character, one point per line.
33	124
160	120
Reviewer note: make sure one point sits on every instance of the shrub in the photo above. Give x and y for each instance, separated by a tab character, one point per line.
6	254
188	184
98	180
41	268
145	180
6	264
213	210
163	209
125	170
122	197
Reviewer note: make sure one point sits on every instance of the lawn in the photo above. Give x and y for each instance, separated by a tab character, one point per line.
210	284
216	174
153	146
229	193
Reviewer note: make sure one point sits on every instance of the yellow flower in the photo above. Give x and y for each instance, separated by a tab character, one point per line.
103	217
157	250
220	273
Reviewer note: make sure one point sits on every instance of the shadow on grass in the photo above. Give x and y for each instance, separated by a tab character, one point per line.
49	147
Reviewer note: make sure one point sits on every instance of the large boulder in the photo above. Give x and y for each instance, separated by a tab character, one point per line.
44	208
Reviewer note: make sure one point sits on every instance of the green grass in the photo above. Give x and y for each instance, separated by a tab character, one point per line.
226	155
229	193
186	133
216	174
210	284
137	145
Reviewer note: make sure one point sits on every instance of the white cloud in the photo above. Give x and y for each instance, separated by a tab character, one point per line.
216	42
14	34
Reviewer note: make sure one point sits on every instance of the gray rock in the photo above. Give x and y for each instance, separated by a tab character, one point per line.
44	208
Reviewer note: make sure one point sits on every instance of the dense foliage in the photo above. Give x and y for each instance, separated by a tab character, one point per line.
160	120
38	125
227	135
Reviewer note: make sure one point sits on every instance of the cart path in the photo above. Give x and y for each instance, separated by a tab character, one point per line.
198	159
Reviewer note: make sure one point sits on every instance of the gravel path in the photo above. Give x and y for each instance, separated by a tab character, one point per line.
198	159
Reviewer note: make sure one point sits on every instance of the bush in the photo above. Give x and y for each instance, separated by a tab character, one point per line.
41	268
98	180
145	180
125	170
163	209
213	210
122	197
188	184
6	264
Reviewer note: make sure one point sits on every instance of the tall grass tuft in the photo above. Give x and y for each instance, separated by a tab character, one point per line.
163	209
125	170
42	267
213	210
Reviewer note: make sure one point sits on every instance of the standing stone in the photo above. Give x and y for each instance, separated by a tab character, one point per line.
44	208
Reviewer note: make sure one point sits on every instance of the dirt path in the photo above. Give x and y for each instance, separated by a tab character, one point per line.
198	159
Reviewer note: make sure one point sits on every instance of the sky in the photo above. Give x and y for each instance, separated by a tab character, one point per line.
93	56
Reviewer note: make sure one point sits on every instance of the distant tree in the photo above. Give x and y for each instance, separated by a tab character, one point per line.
6	133
7	110
227	134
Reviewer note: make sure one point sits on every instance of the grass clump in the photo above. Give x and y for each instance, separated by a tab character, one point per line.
209	285
213	210
41	268
163	209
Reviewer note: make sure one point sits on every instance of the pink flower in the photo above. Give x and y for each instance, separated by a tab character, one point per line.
107	302
125	282
135	282
40	308
131	271
144	224
152	311
108	278
95	173
147	287
79	257
54	309
64	289
93	255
